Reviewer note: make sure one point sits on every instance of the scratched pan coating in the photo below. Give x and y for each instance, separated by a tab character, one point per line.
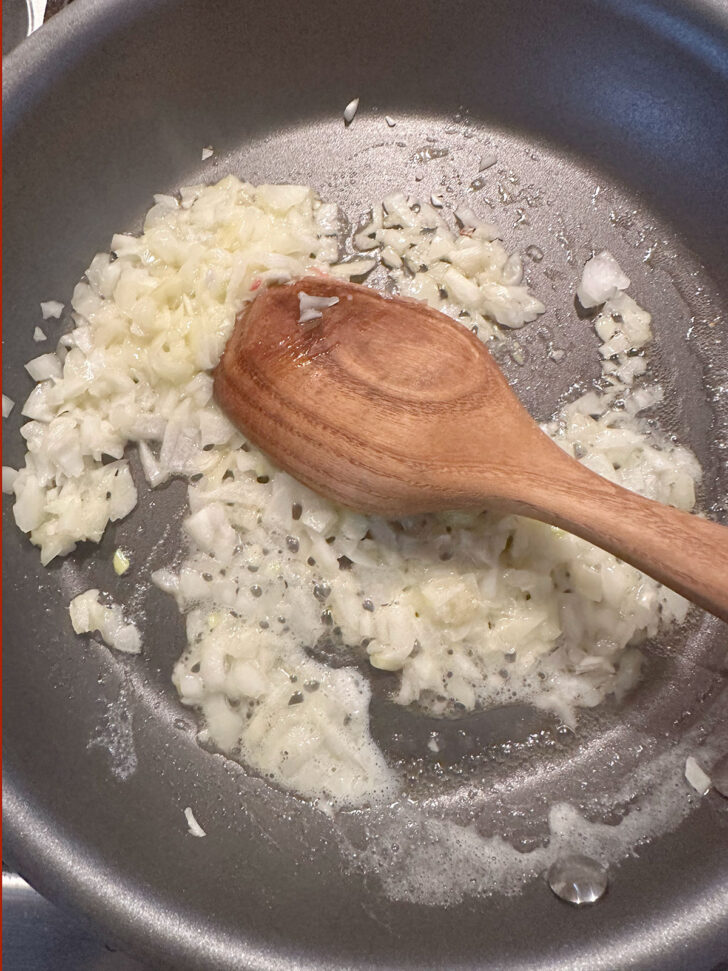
610	125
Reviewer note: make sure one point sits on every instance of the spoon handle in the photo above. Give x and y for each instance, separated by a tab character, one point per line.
685	552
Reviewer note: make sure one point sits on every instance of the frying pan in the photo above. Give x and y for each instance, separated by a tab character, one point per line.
610	122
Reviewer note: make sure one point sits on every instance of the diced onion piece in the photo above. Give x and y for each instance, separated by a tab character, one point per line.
212	532
462	290
29	508
390	257
88	615
698	779
311	307
601	279
350	111
194	827
8	405
9	476
36	406
51	308
364	242
328	218
166	580
39	335
154	472
43	367
352	268
512	271
283	198
475	225
207	152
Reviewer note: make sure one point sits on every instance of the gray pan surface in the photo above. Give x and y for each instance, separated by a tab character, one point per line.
610	122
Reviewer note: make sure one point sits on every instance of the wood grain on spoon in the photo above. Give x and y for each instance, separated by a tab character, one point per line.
389	407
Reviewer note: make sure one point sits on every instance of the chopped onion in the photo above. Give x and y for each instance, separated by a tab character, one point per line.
390	121
698	779
212	532
29	508
207	152
51	308
312	307
512	271
88	615
44	367
350	111
37	406
601	280
9	476
475	226
166	580
8	405
363	241
442	600
487	161
194	827
328	218
352	268
390	257
38	335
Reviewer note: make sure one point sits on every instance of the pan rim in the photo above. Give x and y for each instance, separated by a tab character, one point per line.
47	862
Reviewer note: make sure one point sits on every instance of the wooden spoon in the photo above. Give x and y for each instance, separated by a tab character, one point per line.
389	407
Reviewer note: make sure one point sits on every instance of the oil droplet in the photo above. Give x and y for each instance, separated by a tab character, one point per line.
430	152
534	253
578	879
